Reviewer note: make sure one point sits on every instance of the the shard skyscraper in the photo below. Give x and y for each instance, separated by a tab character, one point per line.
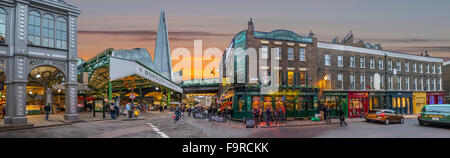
162	59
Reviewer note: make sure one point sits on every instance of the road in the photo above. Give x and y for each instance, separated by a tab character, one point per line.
160	125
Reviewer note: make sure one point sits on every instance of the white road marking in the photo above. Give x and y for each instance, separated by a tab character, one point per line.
158	131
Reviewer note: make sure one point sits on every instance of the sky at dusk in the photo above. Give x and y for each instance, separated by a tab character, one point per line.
409	26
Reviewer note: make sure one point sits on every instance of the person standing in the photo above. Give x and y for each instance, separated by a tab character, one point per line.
268	115
328	115
47	109
112	111
341	116
128	109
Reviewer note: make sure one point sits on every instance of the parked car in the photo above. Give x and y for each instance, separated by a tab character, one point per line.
385	116
435	114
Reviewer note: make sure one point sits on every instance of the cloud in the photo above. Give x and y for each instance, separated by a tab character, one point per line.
150	33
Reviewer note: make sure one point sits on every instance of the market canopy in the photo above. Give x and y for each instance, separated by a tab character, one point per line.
121	68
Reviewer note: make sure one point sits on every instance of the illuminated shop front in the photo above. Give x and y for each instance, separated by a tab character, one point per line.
377	100
435	97
401	102
334	99
358	104
419	100
299	103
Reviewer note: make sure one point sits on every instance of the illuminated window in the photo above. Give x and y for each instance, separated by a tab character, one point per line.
302	78
290	78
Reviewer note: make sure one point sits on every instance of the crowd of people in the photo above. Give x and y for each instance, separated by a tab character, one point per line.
269	115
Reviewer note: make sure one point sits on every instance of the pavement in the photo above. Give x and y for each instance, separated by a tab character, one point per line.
38	121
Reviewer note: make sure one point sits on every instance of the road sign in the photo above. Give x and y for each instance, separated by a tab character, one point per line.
132	96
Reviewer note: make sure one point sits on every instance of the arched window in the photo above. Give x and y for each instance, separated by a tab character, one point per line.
48	31
34	28
61	33
2	25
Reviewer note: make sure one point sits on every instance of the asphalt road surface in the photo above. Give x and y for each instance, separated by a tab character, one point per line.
156	125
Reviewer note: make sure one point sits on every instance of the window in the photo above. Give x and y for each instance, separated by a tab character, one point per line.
427	86
399	66
399	83
2	25
34	28
372	63
439	84
407	83
290	78
327	81
48	33
278	53
362	82
61	33
352	81
290	53
327	60
372	84
380	64
352	61
302	78
407	66
439	69
421	84
427	68
362	62
382	82
415	84
340	82
414	67
433	69
264	52
433	86
302	54
340	62
389	64
421	68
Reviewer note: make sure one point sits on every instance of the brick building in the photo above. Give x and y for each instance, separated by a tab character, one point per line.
307	72
446	80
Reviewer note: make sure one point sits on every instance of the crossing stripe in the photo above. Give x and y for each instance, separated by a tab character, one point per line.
163	135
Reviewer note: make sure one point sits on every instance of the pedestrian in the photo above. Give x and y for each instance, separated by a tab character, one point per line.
4	111
117	110
177	114
280	115
189	111
268	114
47	109
328	115
341	116
128	109
275	116
112	111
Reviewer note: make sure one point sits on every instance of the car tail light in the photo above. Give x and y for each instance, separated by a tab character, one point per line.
382	115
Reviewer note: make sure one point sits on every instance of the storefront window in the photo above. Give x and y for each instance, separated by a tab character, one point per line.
267	102
279	102
300	103
256	102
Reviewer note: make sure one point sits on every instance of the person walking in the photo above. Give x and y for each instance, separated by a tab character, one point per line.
177	114
112	111
47	109
328	115
342	117
4	111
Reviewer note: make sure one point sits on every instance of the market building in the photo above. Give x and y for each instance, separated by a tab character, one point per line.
383	79
281	56
38	57
132	76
